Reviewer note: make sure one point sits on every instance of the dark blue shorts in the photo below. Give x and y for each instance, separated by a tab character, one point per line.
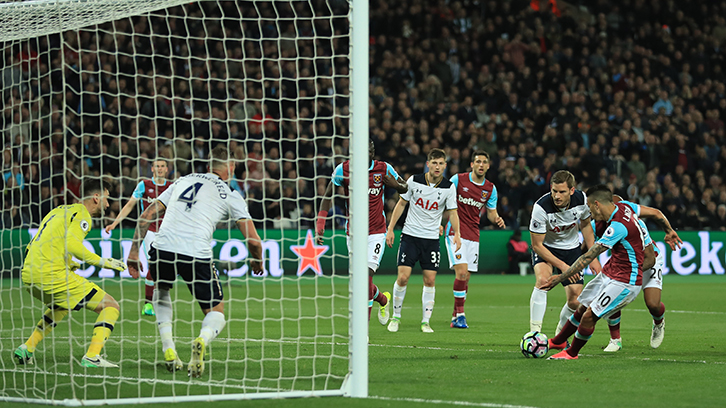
568	256
426	252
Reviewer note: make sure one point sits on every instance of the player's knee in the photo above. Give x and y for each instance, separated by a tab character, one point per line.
573	304
108	301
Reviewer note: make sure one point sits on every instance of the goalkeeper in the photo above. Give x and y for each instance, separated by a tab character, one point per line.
48	274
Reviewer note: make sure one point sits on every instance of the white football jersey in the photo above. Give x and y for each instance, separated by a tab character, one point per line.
426	205
194	205
560	226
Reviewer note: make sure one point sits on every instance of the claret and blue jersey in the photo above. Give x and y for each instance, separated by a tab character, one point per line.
624	235
471	199
376	171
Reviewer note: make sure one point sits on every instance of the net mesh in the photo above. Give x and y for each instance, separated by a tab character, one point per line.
100	89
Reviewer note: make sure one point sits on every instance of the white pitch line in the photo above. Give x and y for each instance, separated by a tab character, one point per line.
462	403
37	371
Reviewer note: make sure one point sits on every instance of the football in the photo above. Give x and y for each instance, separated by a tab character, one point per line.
534	344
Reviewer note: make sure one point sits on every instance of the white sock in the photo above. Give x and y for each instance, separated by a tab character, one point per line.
164	315
537	307
565	314
427	300
399	292
212	324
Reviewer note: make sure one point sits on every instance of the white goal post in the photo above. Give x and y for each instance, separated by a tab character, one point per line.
102	88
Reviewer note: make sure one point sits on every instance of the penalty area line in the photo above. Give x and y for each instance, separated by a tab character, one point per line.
462	403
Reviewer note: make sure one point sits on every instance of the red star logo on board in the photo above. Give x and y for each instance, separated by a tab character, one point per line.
309	255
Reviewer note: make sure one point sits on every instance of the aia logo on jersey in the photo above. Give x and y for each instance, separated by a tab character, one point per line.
377	179
565	228
428	205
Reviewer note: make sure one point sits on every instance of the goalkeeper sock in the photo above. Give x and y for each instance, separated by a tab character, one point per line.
427	300
164	314
614	325
399	293
212	324
101	330
45	326
537	307
149	290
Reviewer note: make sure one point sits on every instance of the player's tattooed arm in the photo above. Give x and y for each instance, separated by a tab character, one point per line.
577	266
671	236
399	184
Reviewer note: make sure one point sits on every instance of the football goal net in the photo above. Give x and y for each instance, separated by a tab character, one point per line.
138	93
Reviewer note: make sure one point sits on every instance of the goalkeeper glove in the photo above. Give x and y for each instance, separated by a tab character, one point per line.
111	263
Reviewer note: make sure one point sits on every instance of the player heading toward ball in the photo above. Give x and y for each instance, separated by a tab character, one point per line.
474	195
380	174
621	278
193	206
145	193
49	273
430	194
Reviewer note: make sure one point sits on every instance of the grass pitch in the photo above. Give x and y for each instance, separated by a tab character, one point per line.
480	366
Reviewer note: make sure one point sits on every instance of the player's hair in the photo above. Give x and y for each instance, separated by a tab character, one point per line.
479	153
563	176
436	154
93	185
219	157
600	193
159	158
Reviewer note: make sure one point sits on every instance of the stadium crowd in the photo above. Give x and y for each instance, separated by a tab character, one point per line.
630	93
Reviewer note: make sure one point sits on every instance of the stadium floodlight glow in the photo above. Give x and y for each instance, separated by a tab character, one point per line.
98	88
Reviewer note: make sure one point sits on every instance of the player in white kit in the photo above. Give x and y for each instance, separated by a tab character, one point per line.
430	194
192	207
557	217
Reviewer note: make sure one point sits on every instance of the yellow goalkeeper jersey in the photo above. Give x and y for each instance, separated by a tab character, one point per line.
59	237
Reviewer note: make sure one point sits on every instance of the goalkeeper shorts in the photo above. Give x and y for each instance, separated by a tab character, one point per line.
66	291
200	275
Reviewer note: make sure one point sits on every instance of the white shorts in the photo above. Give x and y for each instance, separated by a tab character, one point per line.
606	296
653	277
146	246
376	247
468	253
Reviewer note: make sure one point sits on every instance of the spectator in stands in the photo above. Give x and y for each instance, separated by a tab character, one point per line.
517	251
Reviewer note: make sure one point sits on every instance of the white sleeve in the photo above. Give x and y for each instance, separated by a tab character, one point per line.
237	207
451	199
408	194
166	195
538	223
585	214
